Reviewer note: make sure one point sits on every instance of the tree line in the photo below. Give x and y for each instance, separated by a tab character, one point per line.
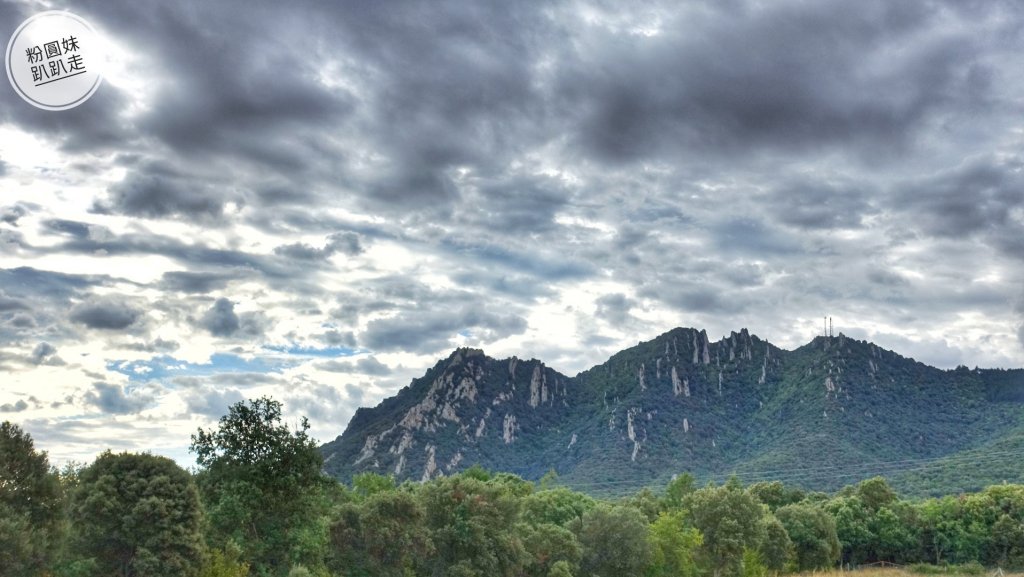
259	505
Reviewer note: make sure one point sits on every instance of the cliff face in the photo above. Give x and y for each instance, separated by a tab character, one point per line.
680	403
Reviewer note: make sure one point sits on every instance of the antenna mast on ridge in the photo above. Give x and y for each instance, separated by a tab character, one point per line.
830	327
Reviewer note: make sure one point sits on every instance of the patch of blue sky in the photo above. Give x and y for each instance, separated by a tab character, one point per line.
165	366
299	351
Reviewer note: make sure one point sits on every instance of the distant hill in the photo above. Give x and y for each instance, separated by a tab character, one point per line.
829	413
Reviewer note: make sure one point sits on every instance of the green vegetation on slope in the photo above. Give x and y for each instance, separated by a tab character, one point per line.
821	416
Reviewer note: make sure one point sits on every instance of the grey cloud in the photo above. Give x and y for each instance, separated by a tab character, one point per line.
114	400
702	85
886	278
321	403
977	197
239	95
17	407
354	393
162	195
212	403
22	321
10	304
746	236
105	313
42	353
245	379
431	331
367	366
156	346
221	320
335	337
614	308
344	243
196	282
11	214
28	282
821	205
68	227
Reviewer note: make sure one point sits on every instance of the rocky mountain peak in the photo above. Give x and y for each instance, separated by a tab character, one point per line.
678	402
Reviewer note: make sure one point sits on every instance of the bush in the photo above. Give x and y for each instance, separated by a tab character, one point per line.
972	568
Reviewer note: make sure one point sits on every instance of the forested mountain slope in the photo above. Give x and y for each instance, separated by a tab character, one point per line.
823	415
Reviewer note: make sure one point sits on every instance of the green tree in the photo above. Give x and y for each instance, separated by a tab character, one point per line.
382	535
367	484
894	538
729	519
852	528
776	547
775	494
674	546
560	569
813	533
753	564
677	490
263	488
1007	542
615	542
469	523
558	506
548	545
875	493
137	515
30	505
224	563
646	502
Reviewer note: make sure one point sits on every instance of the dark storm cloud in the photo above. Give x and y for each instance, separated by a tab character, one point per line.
977	197
105	313
238	91
511	204
87	129
821	205
738	77
114	400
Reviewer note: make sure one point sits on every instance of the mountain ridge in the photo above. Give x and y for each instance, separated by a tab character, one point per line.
680	402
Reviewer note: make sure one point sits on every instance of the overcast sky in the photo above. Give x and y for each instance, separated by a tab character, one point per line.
316	200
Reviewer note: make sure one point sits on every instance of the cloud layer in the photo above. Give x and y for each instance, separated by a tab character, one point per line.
315	201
